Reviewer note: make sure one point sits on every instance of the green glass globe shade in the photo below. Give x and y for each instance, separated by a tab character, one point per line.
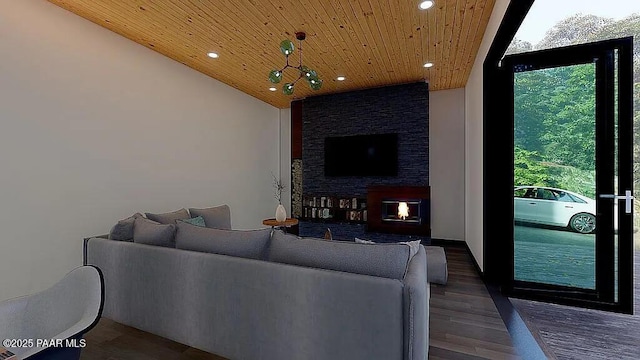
309	73
287	89
275	76
315	84
286	47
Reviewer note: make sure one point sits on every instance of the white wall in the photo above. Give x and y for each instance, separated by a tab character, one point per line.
446	163
473	139
94	127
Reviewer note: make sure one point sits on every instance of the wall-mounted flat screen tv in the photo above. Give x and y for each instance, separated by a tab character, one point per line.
361	155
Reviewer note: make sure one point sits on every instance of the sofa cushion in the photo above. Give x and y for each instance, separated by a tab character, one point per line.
149	232
123	229
383	260
250	244
170	217
197	221
217	217
414	246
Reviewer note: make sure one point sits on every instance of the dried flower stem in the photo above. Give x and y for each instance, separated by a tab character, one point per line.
278	187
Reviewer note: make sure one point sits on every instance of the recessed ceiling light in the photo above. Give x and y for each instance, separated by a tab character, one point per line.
212	55
272	89
426	4
340	78
428	65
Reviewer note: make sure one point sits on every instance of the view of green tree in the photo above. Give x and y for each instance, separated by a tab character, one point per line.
574	179
555	114
575	29
528	168
518	46
554	121
629	26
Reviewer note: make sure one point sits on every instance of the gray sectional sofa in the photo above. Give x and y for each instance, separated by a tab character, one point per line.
265	294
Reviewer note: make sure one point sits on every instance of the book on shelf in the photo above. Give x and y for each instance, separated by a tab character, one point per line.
6	354
334	208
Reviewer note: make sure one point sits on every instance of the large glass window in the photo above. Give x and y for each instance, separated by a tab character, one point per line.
539	156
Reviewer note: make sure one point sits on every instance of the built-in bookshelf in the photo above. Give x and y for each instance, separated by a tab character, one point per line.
6	354
334	209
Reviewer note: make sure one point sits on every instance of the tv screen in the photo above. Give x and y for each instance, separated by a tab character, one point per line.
361	155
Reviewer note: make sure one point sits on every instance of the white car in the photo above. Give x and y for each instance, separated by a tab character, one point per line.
551	206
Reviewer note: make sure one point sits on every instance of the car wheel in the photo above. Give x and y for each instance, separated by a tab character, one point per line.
583	223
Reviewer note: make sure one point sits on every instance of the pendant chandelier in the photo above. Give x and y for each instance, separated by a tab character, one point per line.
309	75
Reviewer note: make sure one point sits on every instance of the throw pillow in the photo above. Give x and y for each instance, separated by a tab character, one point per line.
251	244
414	246
362	241
170	217
218	217
123	229
149	232
197	221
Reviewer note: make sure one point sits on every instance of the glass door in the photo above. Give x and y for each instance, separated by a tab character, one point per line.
572	174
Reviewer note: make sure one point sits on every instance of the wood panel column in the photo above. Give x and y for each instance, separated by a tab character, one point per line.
296	161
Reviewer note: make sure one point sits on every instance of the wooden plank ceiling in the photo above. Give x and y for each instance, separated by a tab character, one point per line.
370	42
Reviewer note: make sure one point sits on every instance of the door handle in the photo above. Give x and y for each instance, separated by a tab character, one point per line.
627	197
532	203
568	206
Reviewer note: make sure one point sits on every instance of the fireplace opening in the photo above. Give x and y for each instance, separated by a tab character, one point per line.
401	210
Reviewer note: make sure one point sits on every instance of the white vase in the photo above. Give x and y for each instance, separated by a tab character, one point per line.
281	213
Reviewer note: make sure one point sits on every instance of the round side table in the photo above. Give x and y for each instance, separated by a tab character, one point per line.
280	224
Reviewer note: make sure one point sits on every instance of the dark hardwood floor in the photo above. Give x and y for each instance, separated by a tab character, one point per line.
464	324
574	333
110	340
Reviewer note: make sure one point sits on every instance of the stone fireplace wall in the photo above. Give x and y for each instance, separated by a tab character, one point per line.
401	109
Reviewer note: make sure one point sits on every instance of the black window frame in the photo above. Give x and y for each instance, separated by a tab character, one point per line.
498	182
